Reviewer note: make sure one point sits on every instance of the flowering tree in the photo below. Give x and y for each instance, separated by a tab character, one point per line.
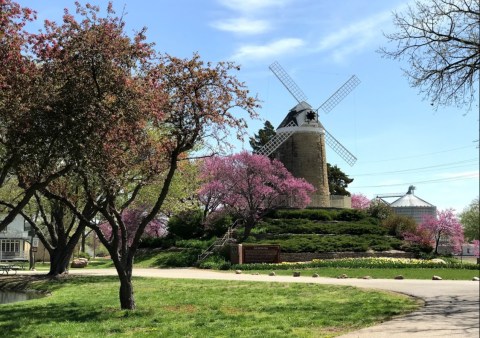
443	227
476	248
360	201
249	185
132	218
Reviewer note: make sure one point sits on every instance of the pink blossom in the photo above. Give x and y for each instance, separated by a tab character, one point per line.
132	218
249	184
443	228
360	201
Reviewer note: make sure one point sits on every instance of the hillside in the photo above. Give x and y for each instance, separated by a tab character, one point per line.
323	230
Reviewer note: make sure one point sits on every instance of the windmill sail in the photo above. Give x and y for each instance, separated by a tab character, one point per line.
288	82
339	148
276	141
340	94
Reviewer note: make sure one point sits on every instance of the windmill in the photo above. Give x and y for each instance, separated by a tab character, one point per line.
300	140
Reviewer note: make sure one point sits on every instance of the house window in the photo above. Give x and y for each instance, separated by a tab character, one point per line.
26	226
10	245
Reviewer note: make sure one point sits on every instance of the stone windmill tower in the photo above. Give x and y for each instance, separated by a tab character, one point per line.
300	140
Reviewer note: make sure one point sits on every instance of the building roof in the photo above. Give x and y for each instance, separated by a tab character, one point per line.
410	200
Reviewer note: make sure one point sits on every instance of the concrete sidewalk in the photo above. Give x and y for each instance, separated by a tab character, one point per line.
451	307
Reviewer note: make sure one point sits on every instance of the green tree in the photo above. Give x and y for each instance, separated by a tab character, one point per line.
470	219
379	209
338	181
440	41
264	135
399	225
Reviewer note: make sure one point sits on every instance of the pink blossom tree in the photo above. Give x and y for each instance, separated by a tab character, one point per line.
476	248
249	185
360	201
445	226
131	218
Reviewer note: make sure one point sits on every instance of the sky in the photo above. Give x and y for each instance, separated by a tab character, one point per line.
398	138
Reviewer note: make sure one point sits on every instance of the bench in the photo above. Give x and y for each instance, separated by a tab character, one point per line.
6	268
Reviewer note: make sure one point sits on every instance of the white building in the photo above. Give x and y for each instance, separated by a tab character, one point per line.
15	241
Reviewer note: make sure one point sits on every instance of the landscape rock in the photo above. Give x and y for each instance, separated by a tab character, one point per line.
475	279
272	273
366	277
316	275
79	263
238	272
342	276
296	274
398	277
436	278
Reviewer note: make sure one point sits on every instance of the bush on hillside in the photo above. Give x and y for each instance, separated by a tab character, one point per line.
186	224
330	243
305	226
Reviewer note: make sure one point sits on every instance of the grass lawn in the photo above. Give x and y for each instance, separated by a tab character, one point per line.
407	273
89	307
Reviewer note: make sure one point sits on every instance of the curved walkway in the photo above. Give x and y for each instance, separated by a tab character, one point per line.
451	307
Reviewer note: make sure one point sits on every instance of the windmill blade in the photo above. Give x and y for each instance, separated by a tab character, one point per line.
340	94
288	82
276	141
339	148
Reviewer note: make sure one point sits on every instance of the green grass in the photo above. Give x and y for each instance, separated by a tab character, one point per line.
407	273
88	307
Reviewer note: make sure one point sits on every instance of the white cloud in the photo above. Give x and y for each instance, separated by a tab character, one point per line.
251	5
269	50
242	26
354	37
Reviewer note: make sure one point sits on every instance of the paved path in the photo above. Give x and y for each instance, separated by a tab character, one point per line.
451	307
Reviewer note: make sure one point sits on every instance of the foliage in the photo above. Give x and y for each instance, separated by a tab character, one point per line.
312	214
305	226
379	209
476	248
249	185
215	262
440	41
131	218
353	263
338	181
264	135
121	117
320	214
360	201
470	219
186	224
443	227
398	225
330	243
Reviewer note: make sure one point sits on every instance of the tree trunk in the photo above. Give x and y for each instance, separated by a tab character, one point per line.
59	260
127	300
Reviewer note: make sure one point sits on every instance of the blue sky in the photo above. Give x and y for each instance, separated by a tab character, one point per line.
398	138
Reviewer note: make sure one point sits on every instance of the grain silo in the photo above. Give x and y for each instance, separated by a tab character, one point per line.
413	206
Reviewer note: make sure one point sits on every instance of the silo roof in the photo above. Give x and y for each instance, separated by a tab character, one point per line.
410	200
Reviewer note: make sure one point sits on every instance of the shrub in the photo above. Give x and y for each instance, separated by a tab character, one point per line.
398	225
350	215
156	242
83	255
186	224
215	262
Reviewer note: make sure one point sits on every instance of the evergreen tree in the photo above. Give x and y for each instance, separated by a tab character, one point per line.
338	181
264	135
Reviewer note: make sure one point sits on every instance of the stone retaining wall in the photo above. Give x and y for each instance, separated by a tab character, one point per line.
308	256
